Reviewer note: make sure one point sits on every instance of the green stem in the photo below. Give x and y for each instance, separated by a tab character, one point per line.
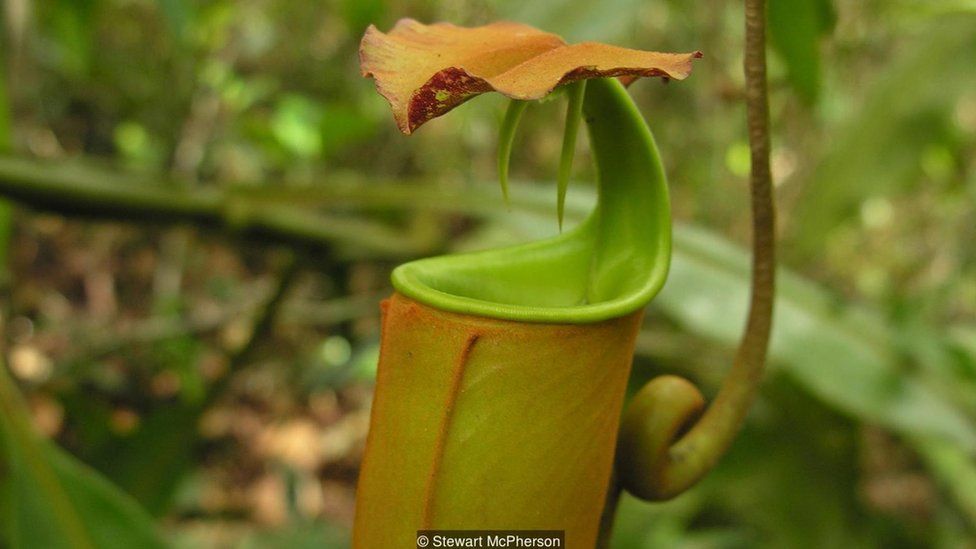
77	191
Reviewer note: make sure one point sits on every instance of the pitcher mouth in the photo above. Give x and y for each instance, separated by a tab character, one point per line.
546	281
609	266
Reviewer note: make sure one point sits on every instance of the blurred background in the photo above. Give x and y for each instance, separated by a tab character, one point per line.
207	200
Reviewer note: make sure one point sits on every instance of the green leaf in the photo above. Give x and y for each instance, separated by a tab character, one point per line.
48	499
841	354
796	27
800	444
640	525
955	468
151	463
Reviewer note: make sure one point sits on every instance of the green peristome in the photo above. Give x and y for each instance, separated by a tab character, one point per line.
502	373
611	265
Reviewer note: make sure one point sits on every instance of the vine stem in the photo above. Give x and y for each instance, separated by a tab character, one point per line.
711	436
653	464
99	194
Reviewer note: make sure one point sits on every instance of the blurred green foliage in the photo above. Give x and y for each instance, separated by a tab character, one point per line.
865	434
5	209
48	499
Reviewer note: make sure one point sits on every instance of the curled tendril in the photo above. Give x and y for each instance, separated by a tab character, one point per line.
666	442
663	410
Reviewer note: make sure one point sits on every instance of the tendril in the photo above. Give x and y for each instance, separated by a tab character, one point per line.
666	443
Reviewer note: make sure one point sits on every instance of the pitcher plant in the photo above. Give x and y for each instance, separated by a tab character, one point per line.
502	373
